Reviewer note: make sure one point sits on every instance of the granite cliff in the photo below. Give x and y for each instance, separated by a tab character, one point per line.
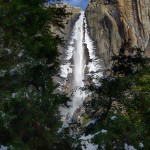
66	33
112	21
69	22
73	15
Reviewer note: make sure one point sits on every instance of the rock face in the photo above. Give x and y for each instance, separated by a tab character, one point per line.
69	22
112	21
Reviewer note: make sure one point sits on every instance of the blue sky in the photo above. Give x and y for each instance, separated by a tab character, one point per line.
80	3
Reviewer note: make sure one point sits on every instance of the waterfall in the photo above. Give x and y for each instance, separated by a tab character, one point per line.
79	65
73	68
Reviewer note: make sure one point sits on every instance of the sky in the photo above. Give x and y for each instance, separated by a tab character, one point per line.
79	3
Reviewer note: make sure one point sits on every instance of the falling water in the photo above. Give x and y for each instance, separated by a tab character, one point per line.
74	64
79	65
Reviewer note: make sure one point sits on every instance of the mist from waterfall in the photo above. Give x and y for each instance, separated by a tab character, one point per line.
75	63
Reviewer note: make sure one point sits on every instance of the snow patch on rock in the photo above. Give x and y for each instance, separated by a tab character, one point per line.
3	147
103	131
86	142
129	147
141	145
113	118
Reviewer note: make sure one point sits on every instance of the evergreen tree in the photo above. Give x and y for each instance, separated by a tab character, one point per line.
29	113
120	105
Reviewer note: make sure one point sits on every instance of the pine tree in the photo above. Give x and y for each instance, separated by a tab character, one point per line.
120	105
29	113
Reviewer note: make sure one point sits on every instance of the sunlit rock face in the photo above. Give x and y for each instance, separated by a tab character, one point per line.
112	21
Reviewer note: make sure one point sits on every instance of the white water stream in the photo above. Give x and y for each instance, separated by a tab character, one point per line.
75	63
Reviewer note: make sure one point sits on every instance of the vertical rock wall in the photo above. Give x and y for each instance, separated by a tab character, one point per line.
73	15
112	21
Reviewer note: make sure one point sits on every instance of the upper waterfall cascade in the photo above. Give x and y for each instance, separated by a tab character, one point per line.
80	61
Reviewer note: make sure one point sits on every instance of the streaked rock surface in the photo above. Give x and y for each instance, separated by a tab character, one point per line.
112	21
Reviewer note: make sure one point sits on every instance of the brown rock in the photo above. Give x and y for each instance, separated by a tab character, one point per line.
111	22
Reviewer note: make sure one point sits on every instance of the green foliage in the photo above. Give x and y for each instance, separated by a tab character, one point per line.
121	130
125	95
29	113
86	119
128	61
